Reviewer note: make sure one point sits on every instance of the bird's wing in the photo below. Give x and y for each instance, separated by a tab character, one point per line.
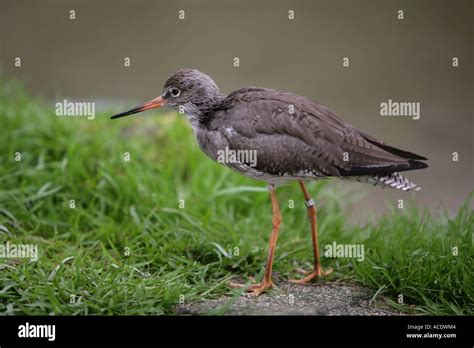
293	134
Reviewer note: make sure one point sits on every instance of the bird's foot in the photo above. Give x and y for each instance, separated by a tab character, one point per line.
255	289
319	271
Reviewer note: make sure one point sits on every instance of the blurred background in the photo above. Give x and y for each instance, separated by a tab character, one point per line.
407	60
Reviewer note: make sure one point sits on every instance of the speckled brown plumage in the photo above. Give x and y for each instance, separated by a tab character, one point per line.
311	141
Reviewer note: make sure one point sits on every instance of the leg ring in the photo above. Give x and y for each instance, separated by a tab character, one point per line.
310	203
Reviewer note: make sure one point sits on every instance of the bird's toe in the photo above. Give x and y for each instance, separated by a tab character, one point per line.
319	271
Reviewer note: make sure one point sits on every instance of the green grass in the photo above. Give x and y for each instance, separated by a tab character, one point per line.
183	254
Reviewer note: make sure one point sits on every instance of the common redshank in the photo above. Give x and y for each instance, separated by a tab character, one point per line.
293	139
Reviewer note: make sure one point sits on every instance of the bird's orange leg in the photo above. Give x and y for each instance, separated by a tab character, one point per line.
266	283
318	270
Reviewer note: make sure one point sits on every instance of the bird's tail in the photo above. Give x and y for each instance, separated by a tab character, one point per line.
394	180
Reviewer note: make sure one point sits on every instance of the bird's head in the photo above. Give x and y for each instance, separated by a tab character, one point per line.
188	91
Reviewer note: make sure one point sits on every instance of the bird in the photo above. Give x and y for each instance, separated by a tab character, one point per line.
294	139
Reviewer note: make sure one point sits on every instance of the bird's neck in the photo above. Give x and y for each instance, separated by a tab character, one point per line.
198	114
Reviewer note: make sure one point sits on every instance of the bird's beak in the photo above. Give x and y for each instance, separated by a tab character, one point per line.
154	103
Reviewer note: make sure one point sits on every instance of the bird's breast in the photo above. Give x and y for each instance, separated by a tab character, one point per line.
210	142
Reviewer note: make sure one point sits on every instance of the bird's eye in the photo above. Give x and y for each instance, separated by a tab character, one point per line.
175	92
